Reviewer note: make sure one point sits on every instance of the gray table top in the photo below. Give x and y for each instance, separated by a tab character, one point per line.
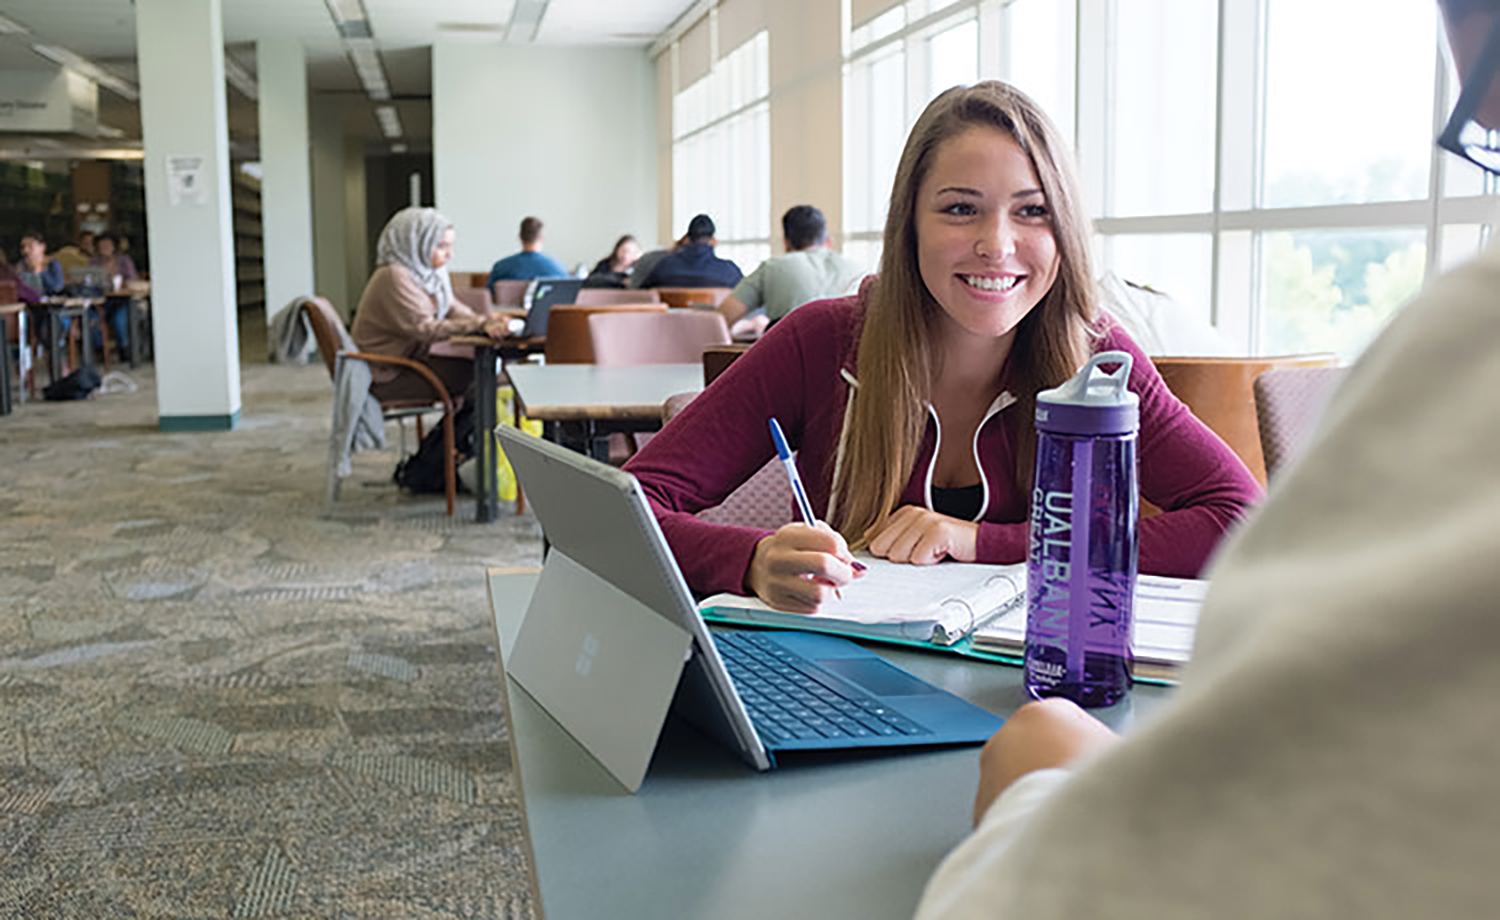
825	835
563	392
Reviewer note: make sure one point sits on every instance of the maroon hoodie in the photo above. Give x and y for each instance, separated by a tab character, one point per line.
801	373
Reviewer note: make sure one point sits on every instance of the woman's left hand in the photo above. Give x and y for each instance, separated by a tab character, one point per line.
923	537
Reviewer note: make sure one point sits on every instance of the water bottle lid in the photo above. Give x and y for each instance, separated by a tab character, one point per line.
1091	401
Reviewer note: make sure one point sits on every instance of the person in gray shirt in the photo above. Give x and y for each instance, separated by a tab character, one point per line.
810	270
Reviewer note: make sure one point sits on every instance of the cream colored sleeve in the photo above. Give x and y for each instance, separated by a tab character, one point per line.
966	881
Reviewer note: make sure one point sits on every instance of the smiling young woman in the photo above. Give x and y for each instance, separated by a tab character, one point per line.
911	403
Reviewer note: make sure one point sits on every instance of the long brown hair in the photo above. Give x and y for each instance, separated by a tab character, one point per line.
887	417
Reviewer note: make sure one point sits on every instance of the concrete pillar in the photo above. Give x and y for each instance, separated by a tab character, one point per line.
180	46
330	210
286	164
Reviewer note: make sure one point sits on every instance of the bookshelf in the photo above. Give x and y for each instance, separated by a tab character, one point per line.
249	250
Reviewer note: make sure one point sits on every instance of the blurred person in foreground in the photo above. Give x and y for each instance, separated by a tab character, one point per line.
1333	746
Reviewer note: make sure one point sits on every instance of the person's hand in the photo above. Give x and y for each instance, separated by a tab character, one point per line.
496	326
922	537
798	568
750	326
1051	733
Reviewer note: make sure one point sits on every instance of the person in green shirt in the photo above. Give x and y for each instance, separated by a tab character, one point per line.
810	270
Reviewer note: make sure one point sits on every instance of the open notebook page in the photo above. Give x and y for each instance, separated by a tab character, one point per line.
950	595
1164	618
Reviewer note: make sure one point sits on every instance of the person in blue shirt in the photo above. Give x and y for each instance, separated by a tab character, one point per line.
694	264
37	271
530	262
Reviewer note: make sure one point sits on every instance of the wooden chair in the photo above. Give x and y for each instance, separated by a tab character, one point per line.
1288	403
568	339
677	337
468	279
475	298
607	297
693	297
763	501
328	331
717	358
508	293
1220	392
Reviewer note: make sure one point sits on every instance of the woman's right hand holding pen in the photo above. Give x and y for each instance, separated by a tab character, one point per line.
799	567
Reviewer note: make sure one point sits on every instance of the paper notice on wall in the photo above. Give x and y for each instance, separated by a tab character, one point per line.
185	181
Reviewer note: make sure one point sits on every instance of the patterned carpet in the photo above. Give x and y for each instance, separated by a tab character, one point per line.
220	699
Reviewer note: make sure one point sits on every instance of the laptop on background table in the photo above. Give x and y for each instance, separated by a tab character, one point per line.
541	297
612	641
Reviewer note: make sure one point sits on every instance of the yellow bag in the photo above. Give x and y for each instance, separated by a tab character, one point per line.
505	477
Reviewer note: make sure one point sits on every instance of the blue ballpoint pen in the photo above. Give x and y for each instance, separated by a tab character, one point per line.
804	507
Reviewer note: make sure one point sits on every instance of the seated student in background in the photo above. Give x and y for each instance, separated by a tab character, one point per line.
76	255
408	305
1332	750
693	264
119	270
810	270
530	262
647	263
24	292
38	272
613	270
911	403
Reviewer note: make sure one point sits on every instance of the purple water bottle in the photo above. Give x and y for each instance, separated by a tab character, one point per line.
1080	572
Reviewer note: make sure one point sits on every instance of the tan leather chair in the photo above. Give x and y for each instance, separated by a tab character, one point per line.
475	298
468	279
698	299
1288	404
507	293
678	337
762	501
1220	392
606	297
568	339
326	324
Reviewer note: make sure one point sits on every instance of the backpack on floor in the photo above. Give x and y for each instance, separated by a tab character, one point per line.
77	385
422	472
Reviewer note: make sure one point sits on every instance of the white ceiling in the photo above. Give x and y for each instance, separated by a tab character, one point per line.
104	31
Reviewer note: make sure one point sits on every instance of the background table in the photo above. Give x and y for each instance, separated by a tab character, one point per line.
826	835
581	404
18	310
485	351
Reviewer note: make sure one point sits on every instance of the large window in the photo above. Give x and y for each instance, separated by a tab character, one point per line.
1267	163
900	60
721	152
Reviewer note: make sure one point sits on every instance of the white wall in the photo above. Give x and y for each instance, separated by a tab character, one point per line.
567	135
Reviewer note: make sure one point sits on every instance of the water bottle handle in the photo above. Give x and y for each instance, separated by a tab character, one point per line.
1096	379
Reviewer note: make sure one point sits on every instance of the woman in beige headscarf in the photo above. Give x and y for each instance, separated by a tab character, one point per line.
409	304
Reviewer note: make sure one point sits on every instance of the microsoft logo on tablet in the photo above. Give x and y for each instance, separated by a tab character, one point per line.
585	662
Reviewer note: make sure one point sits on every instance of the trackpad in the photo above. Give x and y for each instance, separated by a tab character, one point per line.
876	676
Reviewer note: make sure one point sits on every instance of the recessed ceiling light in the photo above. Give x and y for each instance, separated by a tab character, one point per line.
495	27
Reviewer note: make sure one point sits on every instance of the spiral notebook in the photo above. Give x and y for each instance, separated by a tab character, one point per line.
973	610
932	604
